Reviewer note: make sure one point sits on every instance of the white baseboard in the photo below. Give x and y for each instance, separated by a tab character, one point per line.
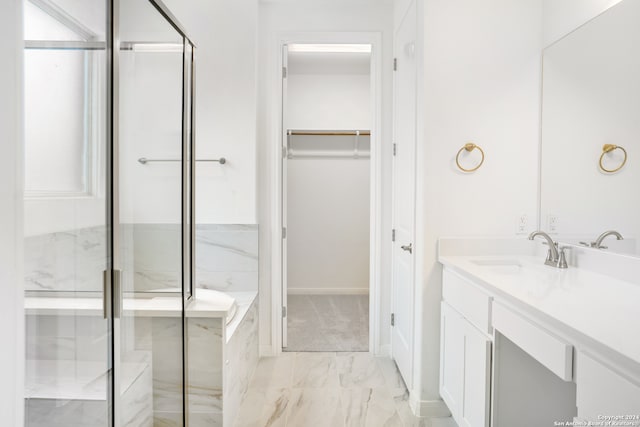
328	291
385	350
266	351
428	408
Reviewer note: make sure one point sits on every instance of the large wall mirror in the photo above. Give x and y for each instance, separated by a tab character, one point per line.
590	168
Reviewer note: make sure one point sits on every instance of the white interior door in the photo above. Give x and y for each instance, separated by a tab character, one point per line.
283	208
404	177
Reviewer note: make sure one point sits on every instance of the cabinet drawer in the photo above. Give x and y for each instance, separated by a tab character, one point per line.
542	345
467	299
601	391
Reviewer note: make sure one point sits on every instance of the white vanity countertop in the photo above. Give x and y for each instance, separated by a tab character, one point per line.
604	311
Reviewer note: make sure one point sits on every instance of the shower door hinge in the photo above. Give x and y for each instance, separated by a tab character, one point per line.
284	72
393	319
284	312
284	232
395	64
395	148
393	235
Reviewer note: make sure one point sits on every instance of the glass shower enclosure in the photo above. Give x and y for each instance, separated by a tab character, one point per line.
109	141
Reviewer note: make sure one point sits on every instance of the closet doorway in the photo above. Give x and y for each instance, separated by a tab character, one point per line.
326	196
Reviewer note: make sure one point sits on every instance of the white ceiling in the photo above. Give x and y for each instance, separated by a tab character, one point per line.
334	2
328	63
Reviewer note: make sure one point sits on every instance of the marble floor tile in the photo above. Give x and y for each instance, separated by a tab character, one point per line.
329	389
315	407
367	407
328	323
264	408
359	370
390	372
273	372
315	370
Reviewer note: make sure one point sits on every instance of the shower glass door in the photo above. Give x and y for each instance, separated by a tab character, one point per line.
108	213
153	225
68	329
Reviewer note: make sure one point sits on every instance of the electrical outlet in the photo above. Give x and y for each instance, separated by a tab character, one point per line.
552	223
522	225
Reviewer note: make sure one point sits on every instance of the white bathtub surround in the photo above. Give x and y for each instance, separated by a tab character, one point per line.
220	365
568	329
240	361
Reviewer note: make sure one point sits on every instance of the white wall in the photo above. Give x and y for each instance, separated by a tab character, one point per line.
225	34
480	82
559	17
11	302
150	126
276	19
329	101
328	199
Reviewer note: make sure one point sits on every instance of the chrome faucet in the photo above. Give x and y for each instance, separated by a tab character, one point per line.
555	258
598	243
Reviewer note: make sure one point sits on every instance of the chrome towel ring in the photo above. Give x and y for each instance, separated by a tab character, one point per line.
469	147
608	148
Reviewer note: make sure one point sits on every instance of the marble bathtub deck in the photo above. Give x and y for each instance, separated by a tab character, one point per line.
329	390
327	323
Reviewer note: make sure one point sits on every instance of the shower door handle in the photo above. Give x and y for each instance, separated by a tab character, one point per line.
408	248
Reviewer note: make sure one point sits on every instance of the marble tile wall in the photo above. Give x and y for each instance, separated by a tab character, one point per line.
167	371
205	341
226	258
241	359
71	394
68	261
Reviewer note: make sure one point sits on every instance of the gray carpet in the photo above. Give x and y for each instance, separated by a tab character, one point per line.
328	323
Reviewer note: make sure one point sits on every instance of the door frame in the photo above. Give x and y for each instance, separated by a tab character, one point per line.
375	177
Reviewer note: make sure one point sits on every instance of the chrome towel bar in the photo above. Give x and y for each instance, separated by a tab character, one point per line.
144	160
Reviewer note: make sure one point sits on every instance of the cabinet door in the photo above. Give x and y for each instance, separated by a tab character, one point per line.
451	358
602	392
477	369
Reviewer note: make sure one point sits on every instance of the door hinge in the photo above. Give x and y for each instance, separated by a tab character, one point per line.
284	312
393	319
395	148
284	232
395	64
393	235
284	72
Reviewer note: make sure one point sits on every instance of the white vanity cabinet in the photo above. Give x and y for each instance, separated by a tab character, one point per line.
602	392
465	368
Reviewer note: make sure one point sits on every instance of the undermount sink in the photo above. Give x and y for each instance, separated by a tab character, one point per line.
500	266
497	262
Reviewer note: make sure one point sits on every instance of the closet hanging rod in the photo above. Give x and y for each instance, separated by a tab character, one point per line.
329	133
144	160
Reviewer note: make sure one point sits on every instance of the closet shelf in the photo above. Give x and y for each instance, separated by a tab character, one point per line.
302	144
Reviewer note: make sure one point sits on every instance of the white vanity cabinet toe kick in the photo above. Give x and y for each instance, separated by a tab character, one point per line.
465	351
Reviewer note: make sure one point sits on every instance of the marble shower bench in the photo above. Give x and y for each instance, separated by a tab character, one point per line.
222	349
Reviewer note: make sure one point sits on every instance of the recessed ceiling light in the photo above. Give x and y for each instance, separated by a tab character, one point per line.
330	48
